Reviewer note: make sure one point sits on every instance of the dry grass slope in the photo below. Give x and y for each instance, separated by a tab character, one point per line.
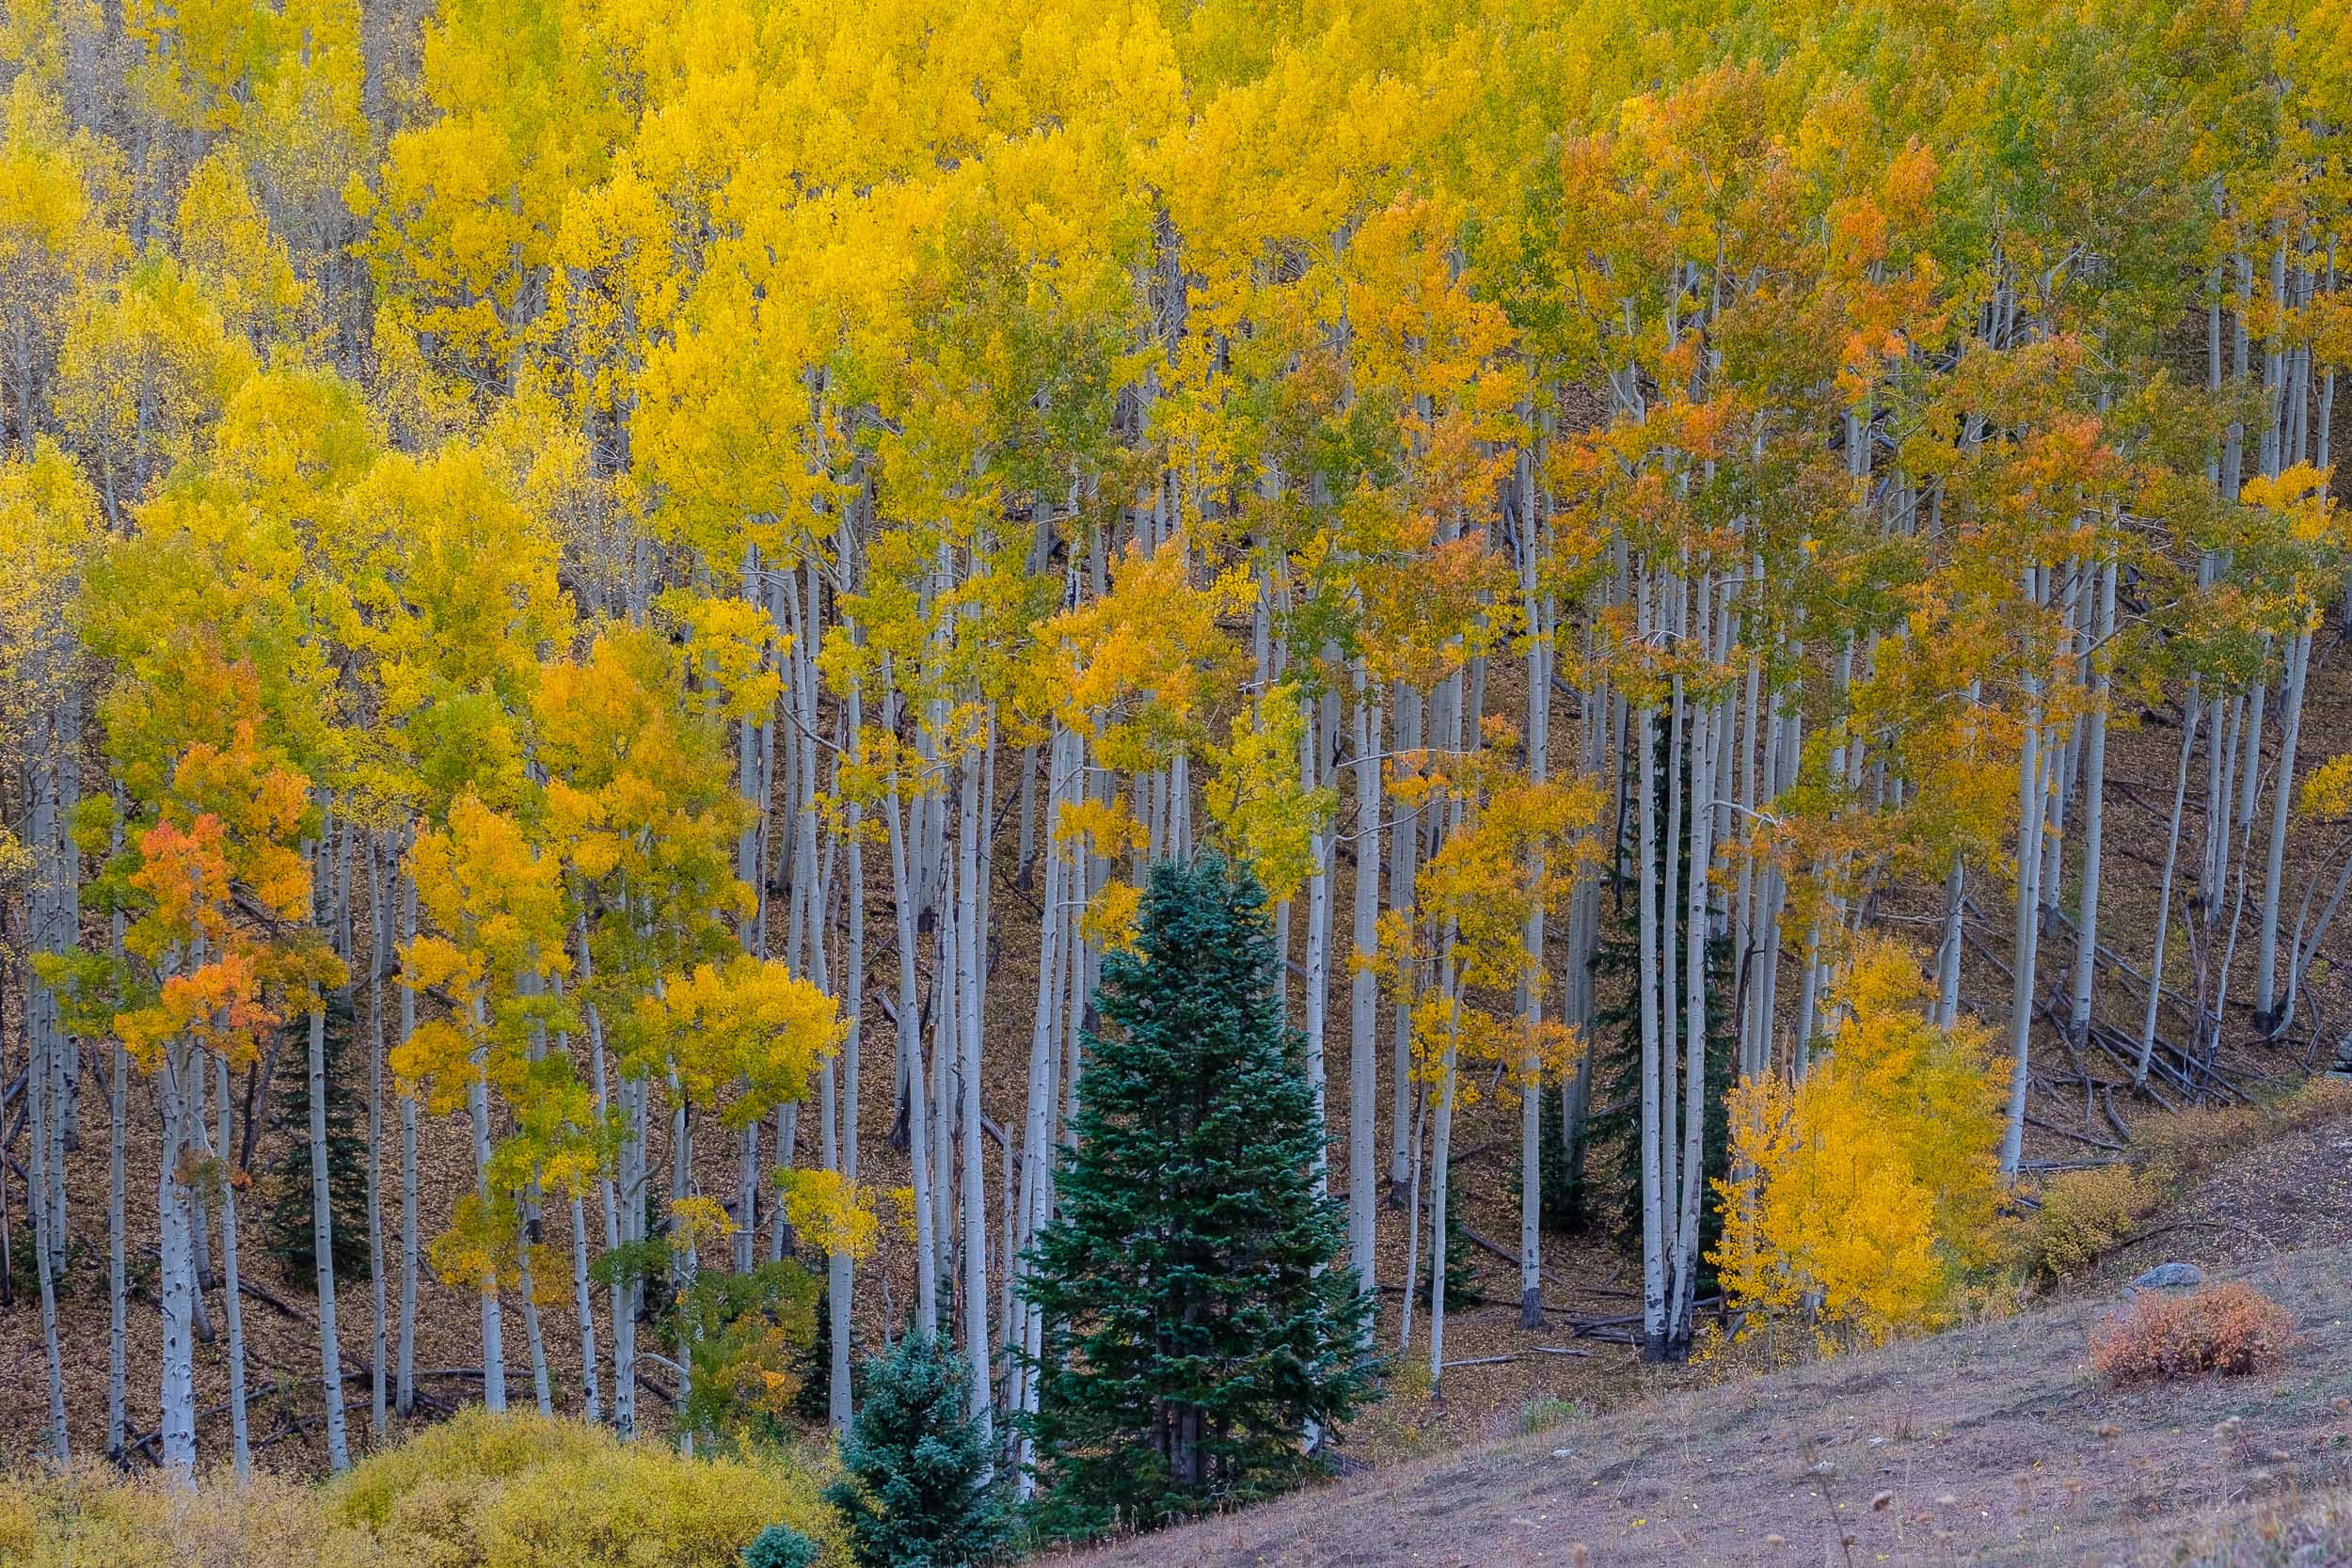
1997	1444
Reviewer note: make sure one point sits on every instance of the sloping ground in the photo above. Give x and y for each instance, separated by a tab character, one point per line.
1994	1444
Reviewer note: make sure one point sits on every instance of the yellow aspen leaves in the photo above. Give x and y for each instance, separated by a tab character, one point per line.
749	1020
1862	1193
831	1212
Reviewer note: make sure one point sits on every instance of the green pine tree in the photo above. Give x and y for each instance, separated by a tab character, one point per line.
914	1466
813	1404
1461	1267
1199	1313
286	1178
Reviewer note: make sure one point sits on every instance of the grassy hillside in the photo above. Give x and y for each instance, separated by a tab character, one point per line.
1993	1444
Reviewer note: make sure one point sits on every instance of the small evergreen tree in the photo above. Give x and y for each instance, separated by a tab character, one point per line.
811	1402
780	1546
286	1179
912	1493
1198	1312
1461	1269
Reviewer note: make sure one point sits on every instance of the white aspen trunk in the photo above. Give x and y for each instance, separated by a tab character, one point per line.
1693	1172
40	1178
748	871
1043	1091
970	995
1530	990
1404	856
1318	955
379	1326
840	1282
585	1313
1440	1153
118	1272
630	1202
542	1391
2094	816
2274	865
2028	930
1419	1116
1653	1173
493	1339
231	1302
199	1219
1363	1061
176	1286
910	1071
321	1247
2191	710
404	1354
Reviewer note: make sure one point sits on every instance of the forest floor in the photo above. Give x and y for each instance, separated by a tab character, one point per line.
1991	1444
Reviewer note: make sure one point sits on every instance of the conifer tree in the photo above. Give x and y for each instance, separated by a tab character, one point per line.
915	1494
1197	1315
286	1230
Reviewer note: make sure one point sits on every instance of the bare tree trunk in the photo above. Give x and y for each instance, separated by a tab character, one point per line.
2274	865
1403	856
380	945
970	997
1653	1085
321	1247
404	1354
176	1283
1363	1061
231	1302
2094	814
2028	928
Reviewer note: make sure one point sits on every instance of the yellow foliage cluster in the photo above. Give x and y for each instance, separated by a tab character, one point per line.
479	1491
1863	1193
831	1212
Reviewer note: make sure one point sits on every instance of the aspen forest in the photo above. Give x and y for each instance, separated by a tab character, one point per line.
1159	749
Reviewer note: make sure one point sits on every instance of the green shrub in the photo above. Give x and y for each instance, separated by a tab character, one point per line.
1545	1412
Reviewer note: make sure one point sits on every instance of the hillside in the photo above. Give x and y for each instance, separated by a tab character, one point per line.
1991	1444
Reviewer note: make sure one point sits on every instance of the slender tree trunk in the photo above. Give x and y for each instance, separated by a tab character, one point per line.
970	996
379	1340
1363	1060
232	1299
322	1247
1404	856
2094	814
37	1094
1649	972
118	1272
404	1354
177	1282
2274	864
1530	1087
2028	928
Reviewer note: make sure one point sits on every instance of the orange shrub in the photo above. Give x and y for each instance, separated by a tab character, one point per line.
2227	1328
